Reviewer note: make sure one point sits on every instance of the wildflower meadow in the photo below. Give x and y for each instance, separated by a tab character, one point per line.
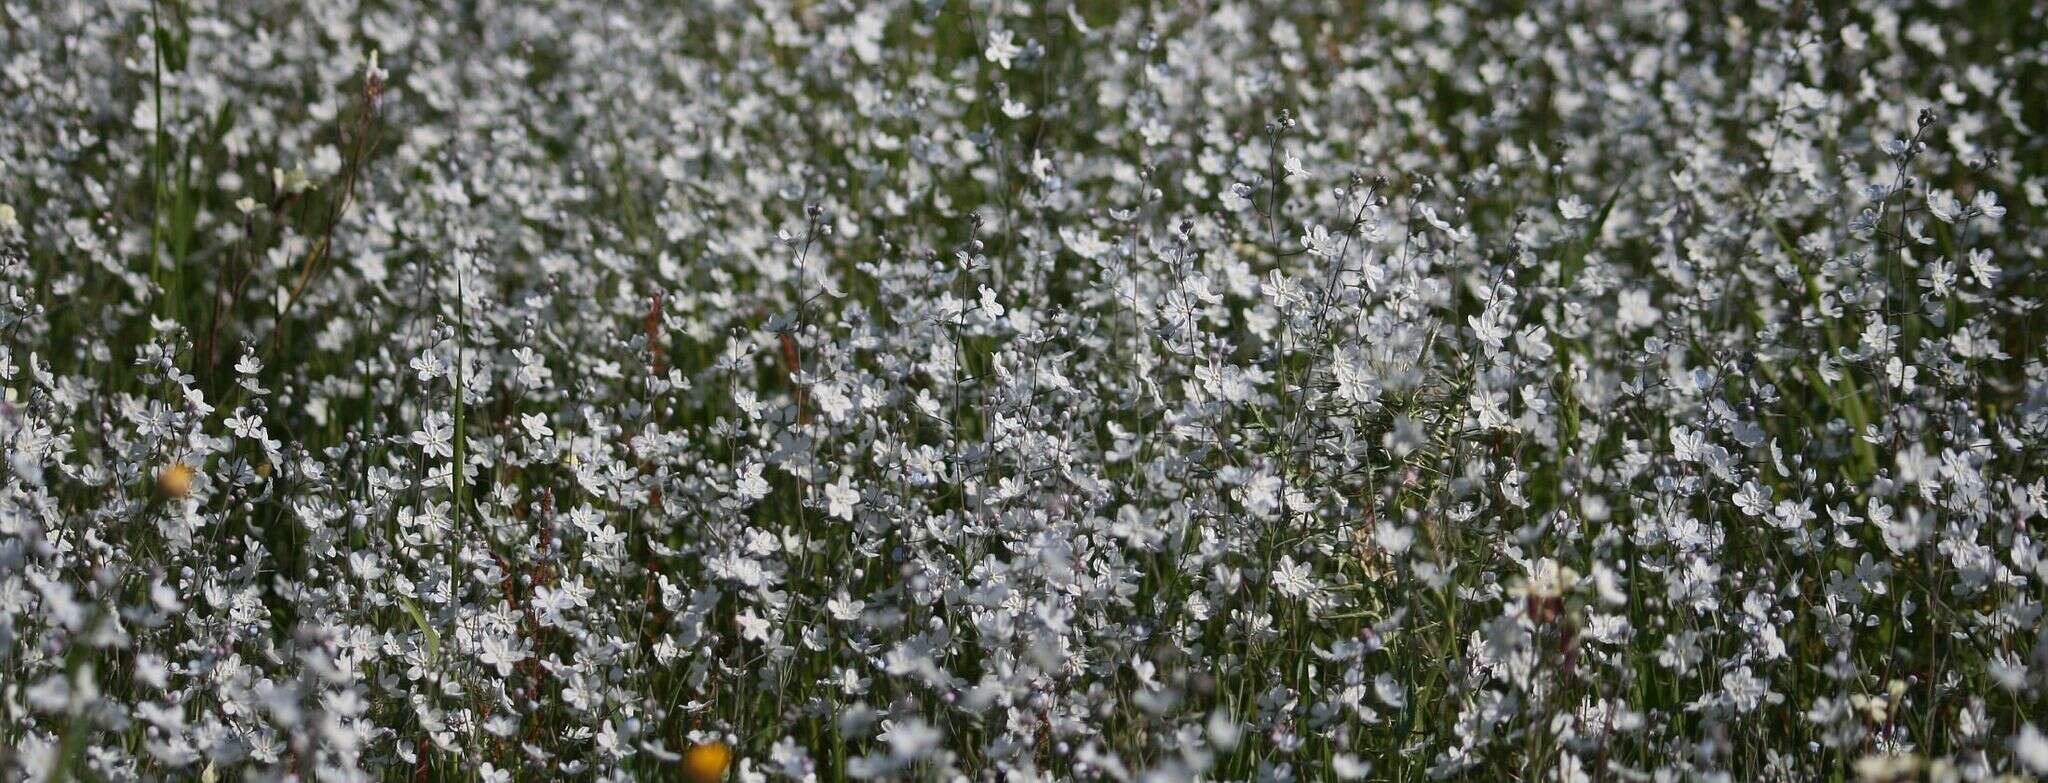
986	390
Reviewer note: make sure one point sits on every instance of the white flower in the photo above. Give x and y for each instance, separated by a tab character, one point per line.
1548	579
841	497
502	653
789	759
1318	241
436	435
843	608
429	366
1002	48
1754	500
752	486
1687	445
1349	767
752	627
1986	204
1900	374
1237	197
246	426
1574	208
1634	310
1293	167
1294	580
833	401
2030	748
1394	539
1981	268
912	739
536	426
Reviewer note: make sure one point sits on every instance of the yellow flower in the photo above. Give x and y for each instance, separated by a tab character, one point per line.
175	479
706	763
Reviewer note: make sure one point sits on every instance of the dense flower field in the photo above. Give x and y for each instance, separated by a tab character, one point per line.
997	391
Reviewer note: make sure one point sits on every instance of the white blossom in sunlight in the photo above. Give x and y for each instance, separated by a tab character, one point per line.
906	390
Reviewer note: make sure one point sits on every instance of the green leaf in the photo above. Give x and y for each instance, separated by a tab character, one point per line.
419	618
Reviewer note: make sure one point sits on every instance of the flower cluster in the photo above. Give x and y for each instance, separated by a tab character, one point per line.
988	390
